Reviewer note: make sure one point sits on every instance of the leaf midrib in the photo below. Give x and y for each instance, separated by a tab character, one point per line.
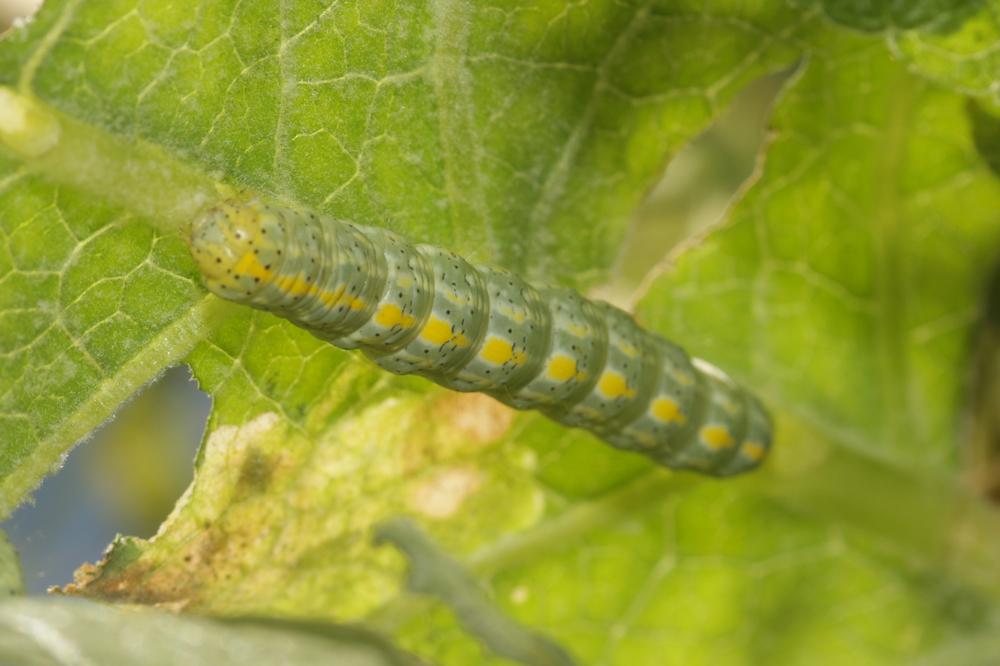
897	404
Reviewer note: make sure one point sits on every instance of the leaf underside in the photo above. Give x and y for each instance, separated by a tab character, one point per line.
844	287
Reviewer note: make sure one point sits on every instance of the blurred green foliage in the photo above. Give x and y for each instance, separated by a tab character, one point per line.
844	283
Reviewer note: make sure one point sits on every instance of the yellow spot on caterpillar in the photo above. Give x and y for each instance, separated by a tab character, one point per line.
561	368
331	298
753	450
404	281
716	437
578	331
297	286
683	378
587	412
354	303
668	411
644	438
728	405
293	285
390	315
454	297
499	351
438	332
629	350
613	385
250	265
517	316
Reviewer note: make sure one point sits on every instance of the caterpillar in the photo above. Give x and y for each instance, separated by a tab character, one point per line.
423	310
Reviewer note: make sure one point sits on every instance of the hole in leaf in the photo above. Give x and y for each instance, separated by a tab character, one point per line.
123	479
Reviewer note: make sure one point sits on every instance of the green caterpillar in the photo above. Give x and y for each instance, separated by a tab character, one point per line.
424	310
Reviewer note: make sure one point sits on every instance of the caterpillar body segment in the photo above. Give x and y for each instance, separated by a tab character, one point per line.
420	309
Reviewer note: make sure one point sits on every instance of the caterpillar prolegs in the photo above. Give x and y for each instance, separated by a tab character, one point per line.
421	309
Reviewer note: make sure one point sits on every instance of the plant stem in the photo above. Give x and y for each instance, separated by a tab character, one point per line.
140	177
931	522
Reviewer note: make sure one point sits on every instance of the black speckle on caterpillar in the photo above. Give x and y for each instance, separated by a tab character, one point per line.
420	309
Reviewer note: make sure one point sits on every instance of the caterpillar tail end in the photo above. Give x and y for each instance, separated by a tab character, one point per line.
733	434
756	443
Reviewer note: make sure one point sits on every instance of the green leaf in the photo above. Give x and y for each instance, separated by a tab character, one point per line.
986	133
951	42
846	283
81	329
68	631
927	15
433	572
11	580
960	55
438	124
524	134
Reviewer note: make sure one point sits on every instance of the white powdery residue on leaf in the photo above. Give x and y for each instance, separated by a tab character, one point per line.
443	494
353	445
520	594
22	22
528	460
227	441
225	450
479	418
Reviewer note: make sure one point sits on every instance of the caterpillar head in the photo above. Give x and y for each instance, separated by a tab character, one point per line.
237	246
